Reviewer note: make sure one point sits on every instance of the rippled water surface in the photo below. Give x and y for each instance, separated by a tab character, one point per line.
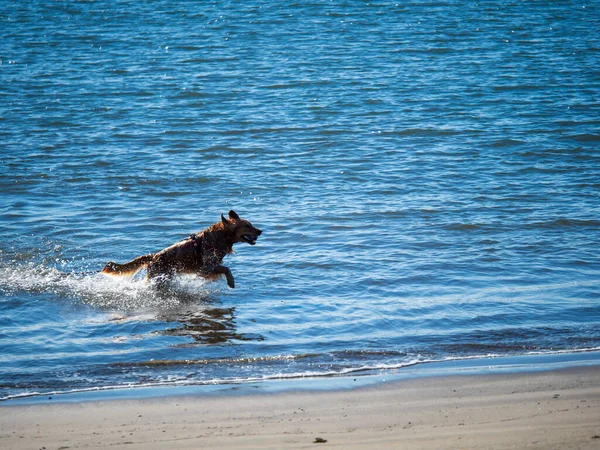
426	174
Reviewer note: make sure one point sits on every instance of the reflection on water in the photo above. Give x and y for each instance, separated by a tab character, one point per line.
208	326
190	309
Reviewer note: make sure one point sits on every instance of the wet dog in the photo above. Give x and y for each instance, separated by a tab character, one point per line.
200	254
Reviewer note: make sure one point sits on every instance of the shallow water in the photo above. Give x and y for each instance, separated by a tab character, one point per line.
426	176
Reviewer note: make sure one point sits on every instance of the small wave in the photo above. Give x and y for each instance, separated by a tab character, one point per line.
424	132
201	362
462	227
191	94
586	137
506	143
186	382
345	355
566	223
515	87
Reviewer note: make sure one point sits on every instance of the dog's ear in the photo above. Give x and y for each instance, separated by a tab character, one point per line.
233	215
224	220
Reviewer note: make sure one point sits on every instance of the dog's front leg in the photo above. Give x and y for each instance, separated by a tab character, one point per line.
223	270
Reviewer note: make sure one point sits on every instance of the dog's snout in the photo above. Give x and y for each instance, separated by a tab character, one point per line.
258	232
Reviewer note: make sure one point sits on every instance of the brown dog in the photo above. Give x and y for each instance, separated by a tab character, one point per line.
200	254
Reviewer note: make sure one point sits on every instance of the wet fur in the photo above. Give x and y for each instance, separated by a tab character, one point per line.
200	254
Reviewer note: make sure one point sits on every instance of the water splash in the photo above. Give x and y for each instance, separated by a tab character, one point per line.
99	290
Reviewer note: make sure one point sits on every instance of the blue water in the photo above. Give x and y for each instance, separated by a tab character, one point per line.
426	174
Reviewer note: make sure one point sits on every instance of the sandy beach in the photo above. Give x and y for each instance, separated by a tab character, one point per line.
546	410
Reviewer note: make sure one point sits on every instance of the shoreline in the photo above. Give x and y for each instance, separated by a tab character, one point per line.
549	409
484	365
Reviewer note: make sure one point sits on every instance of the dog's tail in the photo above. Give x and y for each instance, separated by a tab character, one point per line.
128	269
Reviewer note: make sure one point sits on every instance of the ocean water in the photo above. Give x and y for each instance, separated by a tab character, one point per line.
426	174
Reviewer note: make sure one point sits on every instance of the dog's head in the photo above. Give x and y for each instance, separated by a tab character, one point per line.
242	230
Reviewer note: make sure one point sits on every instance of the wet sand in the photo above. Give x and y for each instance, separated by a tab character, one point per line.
546	410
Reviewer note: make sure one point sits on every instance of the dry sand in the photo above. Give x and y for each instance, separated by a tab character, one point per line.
545	410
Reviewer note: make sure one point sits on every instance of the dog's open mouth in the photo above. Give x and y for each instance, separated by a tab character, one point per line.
249	239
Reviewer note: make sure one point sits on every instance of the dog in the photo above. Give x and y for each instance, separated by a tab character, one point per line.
200	254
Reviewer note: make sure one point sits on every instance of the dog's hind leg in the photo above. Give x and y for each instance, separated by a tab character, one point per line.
128	269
